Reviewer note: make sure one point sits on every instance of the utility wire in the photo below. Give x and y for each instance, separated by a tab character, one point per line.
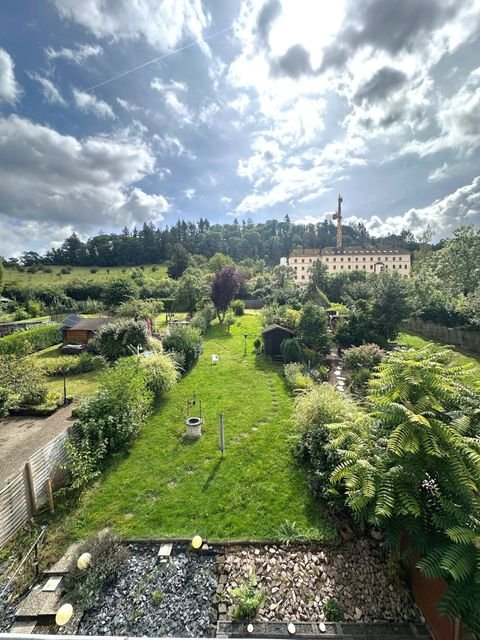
158	59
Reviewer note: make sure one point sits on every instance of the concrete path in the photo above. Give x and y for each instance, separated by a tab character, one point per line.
22	436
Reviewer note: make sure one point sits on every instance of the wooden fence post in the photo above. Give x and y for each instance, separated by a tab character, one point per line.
29	490
50	495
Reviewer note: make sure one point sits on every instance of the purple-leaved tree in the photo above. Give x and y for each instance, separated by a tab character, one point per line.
225	285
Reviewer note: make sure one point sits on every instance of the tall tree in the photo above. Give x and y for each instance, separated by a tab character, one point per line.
225	286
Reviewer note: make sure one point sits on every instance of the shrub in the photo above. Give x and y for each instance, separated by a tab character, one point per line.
203	318
332	610
248	598
23	342
186	341
109	558
238	307
162	372
21	382
119	339
65	271
70	365
312	329
315	414
291	350
21	314
358	381
295	377
366	356
93	270
118	290
140	309
258	345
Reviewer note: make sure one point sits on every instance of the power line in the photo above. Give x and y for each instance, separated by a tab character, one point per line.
158	59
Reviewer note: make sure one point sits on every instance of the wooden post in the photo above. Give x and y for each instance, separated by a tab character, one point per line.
29	490
51	504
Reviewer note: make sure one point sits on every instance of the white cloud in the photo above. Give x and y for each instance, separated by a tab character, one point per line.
77	55
50	92
439	173
9	88
225	200
50	181
189	193
162	23
442	216
160	85
171	145
178	108
89	103
241	103
207	113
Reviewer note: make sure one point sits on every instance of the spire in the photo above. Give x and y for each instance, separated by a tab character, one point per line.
338	217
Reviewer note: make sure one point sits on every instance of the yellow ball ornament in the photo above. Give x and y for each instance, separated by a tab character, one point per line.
64	614
84	561
197	542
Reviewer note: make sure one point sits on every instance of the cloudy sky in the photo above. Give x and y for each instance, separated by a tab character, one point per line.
116	112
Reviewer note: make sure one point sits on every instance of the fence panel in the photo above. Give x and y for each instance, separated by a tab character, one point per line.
44	463
13	507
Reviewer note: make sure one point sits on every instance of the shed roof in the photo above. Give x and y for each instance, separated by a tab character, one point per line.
273	327
88	324
70	321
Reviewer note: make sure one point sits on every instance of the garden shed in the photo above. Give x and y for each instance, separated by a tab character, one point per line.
80	330
273	336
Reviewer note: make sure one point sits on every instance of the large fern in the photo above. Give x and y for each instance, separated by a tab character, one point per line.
415	469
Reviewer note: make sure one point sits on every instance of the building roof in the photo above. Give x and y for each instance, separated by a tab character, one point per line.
357	250
88	324
274	327
302	253
70	321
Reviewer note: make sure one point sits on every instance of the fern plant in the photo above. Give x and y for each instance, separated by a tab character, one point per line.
415	469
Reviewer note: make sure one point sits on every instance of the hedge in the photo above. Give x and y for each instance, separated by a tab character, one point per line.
23	342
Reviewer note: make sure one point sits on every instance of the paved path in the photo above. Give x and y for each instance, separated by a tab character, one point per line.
22	436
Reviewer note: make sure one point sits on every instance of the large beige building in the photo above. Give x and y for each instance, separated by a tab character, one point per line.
370	260
340	258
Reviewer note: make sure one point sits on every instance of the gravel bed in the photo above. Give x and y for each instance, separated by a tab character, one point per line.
297	581
7	610
151	599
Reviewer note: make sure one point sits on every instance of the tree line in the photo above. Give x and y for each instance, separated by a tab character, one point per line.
267	241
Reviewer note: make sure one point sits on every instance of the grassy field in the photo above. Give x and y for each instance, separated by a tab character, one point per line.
77	385
103	273
170	487
473	378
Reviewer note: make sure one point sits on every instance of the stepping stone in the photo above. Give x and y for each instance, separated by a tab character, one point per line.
341	379
39	605
52	583
165	550
23	628
61	567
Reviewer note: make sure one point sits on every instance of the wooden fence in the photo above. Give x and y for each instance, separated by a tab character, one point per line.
26	491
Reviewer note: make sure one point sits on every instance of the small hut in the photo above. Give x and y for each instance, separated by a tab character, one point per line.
76	329
273	336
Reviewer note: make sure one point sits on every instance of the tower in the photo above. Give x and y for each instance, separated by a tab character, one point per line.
338	217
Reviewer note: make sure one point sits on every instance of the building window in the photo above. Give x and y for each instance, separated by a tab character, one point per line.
349	259
341	266
326	259
303	277
356	259
393	266
393	258
349	267
371	259
406	266
334	266
303	268
399	257
303	260
386	258
364	259
356	266
341	259
363	266
334	259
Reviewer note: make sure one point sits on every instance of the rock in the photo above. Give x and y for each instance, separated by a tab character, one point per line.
358	613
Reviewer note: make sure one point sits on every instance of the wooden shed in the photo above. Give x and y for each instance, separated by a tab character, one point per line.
273	336
76	330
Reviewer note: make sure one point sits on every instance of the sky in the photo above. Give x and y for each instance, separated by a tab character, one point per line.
119	112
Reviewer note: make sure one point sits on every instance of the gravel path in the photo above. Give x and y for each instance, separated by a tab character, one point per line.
22	436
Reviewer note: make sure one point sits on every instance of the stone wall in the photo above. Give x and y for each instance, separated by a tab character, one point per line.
467	340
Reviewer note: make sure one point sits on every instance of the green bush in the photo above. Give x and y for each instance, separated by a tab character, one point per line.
119	290
161	371
295	377
186	341
248	598
332	610
71	365
24	342
316	412
238	307
21	382
312	329
119	339
366	356
291	350
109	559
204	317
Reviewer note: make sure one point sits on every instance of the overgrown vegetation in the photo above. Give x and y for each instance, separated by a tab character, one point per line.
248	597
186	342
24	342
120	339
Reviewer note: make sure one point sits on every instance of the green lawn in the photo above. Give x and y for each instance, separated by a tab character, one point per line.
170	487
473	378
103	273
77	385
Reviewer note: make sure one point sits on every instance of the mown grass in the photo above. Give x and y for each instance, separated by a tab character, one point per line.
416	342
170	487
78	386
56	277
